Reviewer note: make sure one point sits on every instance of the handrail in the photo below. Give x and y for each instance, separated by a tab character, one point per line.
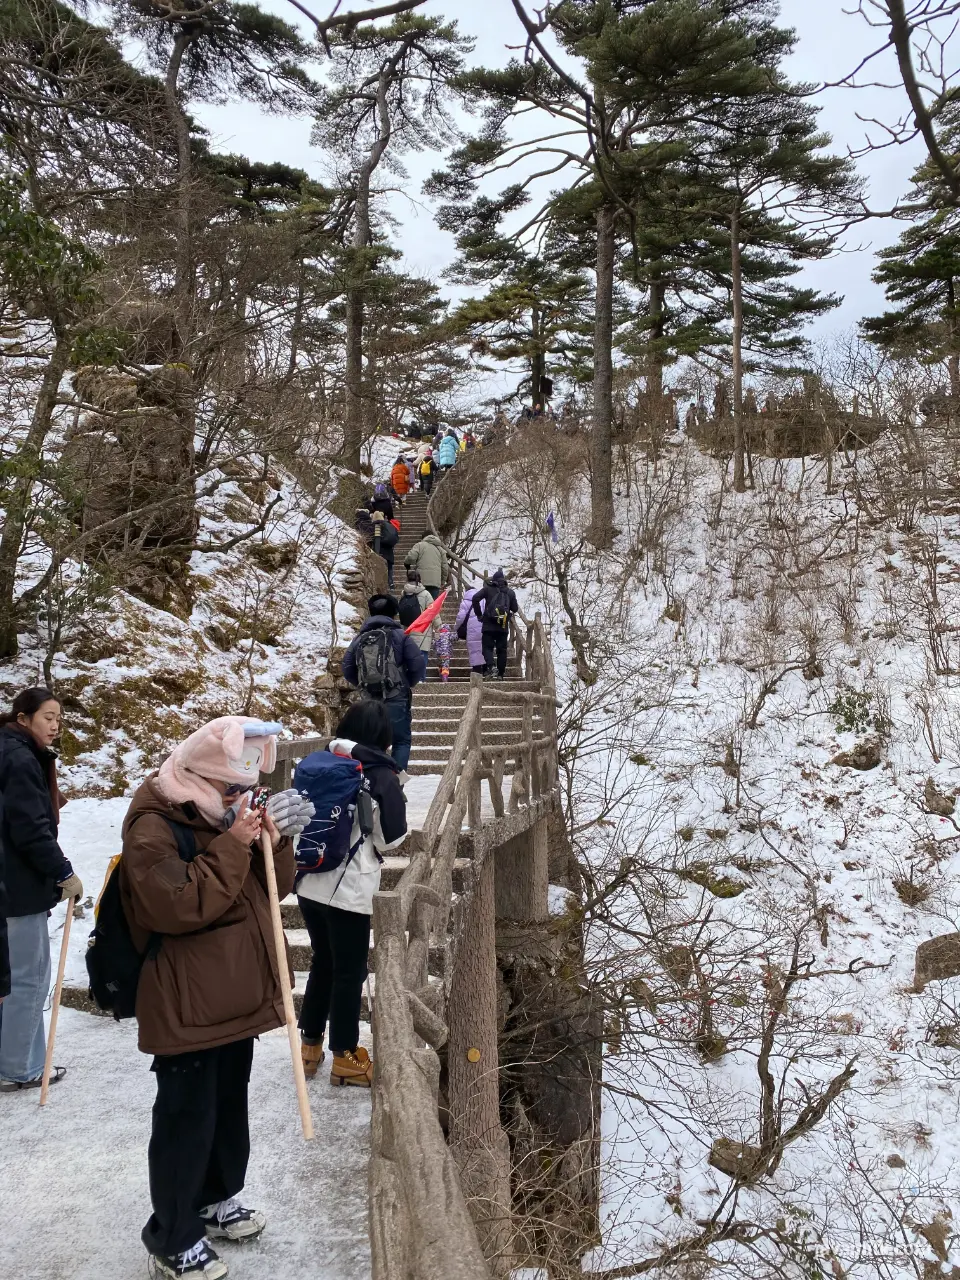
412	1235
420	1223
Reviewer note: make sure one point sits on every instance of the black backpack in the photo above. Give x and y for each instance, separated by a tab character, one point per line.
113	961
377	671
498	606
409	608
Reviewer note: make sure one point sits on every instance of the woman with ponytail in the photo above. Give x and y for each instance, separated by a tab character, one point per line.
37	877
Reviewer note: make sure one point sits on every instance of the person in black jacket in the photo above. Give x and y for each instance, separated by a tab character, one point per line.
411	669
38	876
385	538
4	949
499	602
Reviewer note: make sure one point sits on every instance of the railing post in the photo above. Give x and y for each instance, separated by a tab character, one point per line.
522	876
479	1145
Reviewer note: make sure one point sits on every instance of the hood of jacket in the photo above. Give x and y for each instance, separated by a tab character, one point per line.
433	540
45	755
380	620
369	757
148	798
412	588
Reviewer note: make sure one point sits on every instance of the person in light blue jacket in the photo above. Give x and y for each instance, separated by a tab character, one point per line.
449	452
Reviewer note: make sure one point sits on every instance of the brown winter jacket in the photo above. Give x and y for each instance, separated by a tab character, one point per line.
400	478
215	977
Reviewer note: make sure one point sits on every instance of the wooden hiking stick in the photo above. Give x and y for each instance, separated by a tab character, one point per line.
280	943
55	1011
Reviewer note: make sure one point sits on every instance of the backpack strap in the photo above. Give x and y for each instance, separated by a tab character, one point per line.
187	849
186	840
182	834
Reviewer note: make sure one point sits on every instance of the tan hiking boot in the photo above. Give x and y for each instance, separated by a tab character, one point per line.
352	1068
311	1055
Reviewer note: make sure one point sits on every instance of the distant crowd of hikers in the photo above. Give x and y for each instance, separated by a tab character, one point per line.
183	938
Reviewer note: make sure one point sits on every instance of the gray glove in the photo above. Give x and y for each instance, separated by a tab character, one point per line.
290	811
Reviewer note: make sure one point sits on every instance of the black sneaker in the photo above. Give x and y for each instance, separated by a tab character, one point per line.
197	1263
229	1220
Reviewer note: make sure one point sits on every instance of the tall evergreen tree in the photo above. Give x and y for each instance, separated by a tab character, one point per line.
534	308
389	95
766	176
921	272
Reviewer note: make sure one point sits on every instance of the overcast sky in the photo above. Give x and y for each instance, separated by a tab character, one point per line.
830	44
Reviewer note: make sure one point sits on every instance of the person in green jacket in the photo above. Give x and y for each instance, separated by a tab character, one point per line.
429	557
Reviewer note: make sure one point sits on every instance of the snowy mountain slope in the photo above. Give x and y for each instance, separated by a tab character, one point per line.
266	612
755	907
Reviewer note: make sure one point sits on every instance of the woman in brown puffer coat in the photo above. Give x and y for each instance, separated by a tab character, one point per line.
193	885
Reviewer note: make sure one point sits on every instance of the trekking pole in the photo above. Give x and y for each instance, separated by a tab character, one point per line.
55	1011
280	944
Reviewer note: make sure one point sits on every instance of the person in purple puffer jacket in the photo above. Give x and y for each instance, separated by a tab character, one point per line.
474	631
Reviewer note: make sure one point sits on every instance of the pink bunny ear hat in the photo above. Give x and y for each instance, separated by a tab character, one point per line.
231	749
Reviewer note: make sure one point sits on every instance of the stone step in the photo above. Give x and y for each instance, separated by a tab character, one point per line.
300	986
419	766
433	719
445	738
301	954
458	691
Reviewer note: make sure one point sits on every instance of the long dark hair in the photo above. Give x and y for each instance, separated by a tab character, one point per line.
368	724
28	703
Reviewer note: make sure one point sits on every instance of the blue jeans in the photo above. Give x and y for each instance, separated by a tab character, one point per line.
22	1042
400	713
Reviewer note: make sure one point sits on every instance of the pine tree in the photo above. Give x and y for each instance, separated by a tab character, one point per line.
534	308
389	95
766	177
921	272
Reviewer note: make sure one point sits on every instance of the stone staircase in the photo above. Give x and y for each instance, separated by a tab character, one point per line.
438	708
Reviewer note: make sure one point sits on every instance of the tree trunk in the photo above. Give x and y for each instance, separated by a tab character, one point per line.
536	359
953	360
736	291
655	359
353	417
601	444
26	466
353	432
183	281
656	416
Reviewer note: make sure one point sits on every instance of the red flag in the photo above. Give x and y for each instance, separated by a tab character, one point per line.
420	624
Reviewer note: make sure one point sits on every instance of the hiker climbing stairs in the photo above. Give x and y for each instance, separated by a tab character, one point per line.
438	709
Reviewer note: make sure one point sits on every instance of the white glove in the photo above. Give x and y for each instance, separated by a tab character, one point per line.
290	812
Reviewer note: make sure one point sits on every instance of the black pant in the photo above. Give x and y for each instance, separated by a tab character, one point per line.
495	642
400	711
434	591
426	483
200	1141
340	941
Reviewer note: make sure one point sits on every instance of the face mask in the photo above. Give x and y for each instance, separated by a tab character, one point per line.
230	815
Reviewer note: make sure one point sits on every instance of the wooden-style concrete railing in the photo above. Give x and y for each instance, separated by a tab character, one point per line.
421	1223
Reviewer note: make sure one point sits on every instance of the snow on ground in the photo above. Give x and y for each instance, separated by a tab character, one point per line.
81	1163
677	802
85	1152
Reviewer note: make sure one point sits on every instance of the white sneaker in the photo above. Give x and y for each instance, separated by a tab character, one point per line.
229	1220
